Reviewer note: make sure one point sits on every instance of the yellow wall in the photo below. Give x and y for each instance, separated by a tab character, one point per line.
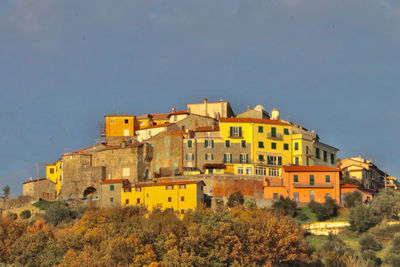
54	174
142	123
116	126
157	195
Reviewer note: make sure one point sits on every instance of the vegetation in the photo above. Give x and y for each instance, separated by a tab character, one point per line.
235	199
285	206
352	199
6	192
362	218
26	214
324	211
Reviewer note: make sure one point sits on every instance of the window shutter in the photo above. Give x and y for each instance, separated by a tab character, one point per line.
212	143
192	156
241	158
205	143
212	156
231	131
205	156
240	131
279	160
230	158
243	143
247	158
224	158
189	143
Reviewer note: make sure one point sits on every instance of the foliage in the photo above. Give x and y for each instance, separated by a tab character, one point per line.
285	206
26	214
324	211
349	180
386	204
43	204
362	218
235	199
352	199
368	242
12	215
393	257
6	192
332	251
384	231
10	231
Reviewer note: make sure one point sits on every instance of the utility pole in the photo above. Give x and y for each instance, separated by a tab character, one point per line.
385	179
37	170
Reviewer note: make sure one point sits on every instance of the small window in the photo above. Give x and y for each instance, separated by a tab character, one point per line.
182	211
260	144
138	189
273	132
261	158
169	187
332	159
325	156
169	199
273	145
166	154
286	131
327	178
317	155
111	187
249	170
138	201
296	146
243	143
311	179
158	155
126	201
295	178
312	195
182	198
327	196
239	170
166	140
127	189
189	143
228	143
296	161
147	195
111	199
285	146
51	170
260	129
126	121
182	186
275	196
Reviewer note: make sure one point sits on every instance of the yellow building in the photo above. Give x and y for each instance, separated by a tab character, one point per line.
54	174
180	196
119	126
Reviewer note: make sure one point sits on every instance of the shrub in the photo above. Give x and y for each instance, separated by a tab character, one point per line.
12	215
331	207
235	199
26	214
362	218
368	242
285	206
386	204
42	204
57	213
352	199
393	257
302	217
324	211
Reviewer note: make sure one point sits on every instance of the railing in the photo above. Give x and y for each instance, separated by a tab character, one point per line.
275	137
313	185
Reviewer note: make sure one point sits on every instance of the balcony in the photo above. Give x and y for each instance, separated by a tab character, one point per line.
275	137
301	185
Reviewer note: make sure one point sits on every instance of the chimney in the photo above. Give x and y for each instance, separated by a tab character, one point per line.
205	106
173	110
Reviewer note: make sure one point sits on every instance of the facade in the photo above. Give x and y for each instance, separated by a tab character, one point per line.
54	174
180	196
118	126
257	113
39	189
110	192
221	109
367	194
304	184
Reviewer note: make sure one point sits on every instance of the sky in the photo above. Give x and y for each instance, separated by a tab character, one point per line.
329	65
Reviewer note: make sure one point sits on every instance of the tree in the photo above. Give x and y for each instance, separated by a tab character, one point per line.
386	204
352	199
324	211
285	206
26	214
362	218
235	199
6	192
368	242
57	212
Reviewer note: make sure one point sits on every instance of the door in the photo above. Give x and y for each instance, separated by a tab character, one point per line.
296	196
126	132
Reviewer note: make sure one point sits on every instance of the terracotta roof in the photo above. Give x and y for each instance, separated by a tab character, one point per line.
113	181
119	115
155	126
166	183
120	146
37	180
82	151
348	186
160	116
253	121
180	112
295	168
207	129
144	116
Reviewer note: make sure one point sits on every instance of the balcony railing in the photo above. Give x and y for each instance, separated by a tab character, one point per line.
275	137
313	185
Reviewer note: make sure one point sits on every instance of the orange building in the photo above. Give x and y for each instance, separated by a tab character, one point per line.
367	194
304	183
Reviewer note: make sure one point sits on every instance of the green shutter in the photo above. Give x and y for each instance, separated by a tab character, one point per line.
231	131
241	158
205	143
295	178
243	143
205	156
240	131
212	143
212	156
224	158
189	143
311	179
227	143
273	131
327	179
279	160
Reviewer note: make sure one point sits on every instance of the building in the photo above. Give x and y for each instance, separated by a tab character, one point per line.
39	189
220	109
180	196
304	184
257	113
363	170
119	126
54	174
110	192
366	194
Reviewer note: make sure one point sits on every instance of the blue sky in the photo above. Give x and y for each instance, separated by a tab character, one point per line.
332	66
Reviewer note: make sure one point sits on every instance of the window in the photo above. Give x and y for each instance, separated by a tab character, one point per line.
332	159
296	146
182	198
147	195
239	170
138	189
275	196
327	196
189	143
273	132
126	201
244	158
112	121
227	143
111	187
261	158
311	179
182	211
243	143
296	196
138	201
189	156
111	199
286	131
260	144
126	172
209	143
260	129
317	155
169	187
249	170
325	156
296	161
312	195
51	170
169	199
274	160
307	161
261	171
235	131
295	178
182	186
208	156
273	145
126	121
227	158
285	146
127	189
273	172
327	178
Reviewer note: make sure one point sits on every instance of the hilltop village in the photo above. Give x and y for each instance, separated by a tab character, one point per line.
204	154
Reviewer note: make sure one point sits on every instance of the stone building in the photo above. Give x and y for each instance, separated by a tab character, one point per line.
110	192
39	188
220	109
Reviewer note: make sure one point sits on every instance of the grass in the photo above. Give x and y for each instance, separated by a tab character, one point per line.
316	241
311	216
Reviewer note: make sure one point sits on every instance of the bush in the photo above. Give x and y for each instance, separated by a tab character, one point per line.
57	213
386	204
393	257
302	217
43	204
362	218
235	199
368	242
285	206
26	214
12	215
324	211
352	199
